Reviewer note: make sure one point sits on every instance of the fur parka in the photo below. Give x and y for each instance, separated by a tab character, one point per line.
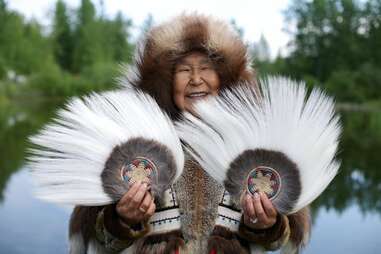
198	196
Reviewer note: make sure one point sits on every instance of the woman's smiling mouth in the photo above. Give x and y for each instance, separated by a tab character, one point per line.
197	95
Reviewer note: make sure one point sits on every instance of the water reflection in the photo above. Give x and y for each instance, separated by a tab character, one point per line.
348	231
29	225
18	120
359	179
352	203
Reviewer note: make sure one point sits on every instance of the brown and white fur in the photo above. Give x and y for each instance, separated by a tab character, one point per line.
197	193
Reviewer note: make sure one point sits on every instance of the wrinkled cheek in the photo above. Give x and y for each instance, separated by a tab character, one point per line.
188	103
179	100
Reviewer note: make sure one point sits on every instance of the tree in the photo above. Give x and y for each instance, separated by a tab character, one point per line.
11	36
237	28
147	23
62	37
122	49
373	23
261	50
86	43
23	48
336	43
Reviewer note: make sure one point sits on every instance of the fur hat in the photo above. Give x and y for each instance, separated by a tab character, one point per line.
168	42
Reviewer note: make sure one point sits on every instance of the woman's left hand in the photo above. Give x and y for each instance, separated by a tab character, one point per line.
259	212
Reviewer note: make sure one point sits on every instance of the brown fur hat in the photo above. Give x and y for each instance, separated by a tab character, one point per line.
166	43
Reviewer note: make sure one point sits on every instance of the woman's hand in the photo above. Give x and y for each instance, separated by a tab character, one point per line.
259	212
137	205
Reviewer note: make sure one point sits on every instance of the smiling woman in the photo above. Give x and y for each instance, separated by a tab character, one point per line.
195	78
187	59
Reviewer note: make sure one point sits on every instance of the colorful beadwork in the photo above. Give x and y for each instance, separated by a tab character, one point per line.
139	169
264	179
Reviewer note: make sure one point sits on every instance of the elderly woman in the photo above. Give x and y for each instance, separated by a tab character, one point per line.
184	60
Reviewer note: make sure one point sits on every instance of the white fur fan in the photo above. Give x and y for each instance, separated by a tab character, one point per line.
274	139
101	144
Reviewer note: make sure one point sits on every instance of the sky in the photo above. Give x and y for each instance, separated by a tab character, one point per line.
254	16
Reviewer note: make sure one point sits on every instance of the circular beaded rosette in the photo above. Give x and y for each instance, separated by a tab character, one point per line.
264	179
139	169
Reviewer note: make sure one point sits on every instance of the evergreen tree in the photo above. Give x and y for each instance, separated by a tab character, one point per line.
35	49
337	43
62	37
23	47
237	28
3	7
86	43
11	35
373	32
261	50
119	41
147	23
326	37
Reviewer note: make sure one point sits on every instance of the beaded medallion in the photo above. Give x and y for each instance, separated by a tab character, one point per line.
264	179
139	169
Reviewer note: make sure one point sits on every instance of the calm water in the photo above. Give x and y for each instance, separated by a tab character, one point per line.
346	218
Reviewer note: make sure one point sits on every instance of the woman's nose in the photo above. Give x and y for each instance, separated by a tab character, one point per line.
196	78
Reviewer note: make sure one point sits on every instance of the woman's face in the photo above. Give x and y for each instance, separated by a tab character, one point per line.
195	78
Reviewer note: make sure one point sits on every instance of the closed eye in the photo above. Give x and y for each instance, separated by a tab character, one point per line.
206	67
183	68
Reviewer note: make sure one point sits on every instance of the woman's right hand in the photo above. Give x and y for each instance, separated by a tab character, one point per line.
137	205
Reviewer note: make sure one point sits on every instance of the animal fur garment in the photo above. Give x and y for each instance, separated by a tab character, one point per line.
98	146
278	140
166	44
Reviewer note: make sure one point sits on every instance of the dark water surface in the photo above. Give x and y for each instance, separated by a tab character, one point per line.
346	218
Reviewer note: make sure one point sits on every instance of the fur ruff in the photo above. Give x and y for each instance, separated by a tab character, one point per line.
69	161
165	243
166	44
300	223
163	158
79	230
284	120
223	241
289	173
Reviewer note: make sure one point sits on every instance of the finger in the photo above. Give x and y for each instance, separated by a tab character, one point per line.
146	203
243	198
268	206
250	212
126	199
138	197
151	210
261	215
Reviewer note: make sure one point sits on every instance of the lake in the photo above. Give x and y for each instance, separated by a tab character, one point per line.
346	218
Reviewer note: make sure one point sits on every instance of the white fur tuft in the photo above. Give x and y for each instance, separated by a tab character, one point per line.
71	152
284	119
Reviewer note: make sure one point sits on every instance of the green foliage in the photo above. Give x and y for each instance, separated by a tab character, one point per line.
356	86
86	39
62	37
52	81
79	55
2	68
327	36
122	49
335	45
98	39
372	20
101	75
